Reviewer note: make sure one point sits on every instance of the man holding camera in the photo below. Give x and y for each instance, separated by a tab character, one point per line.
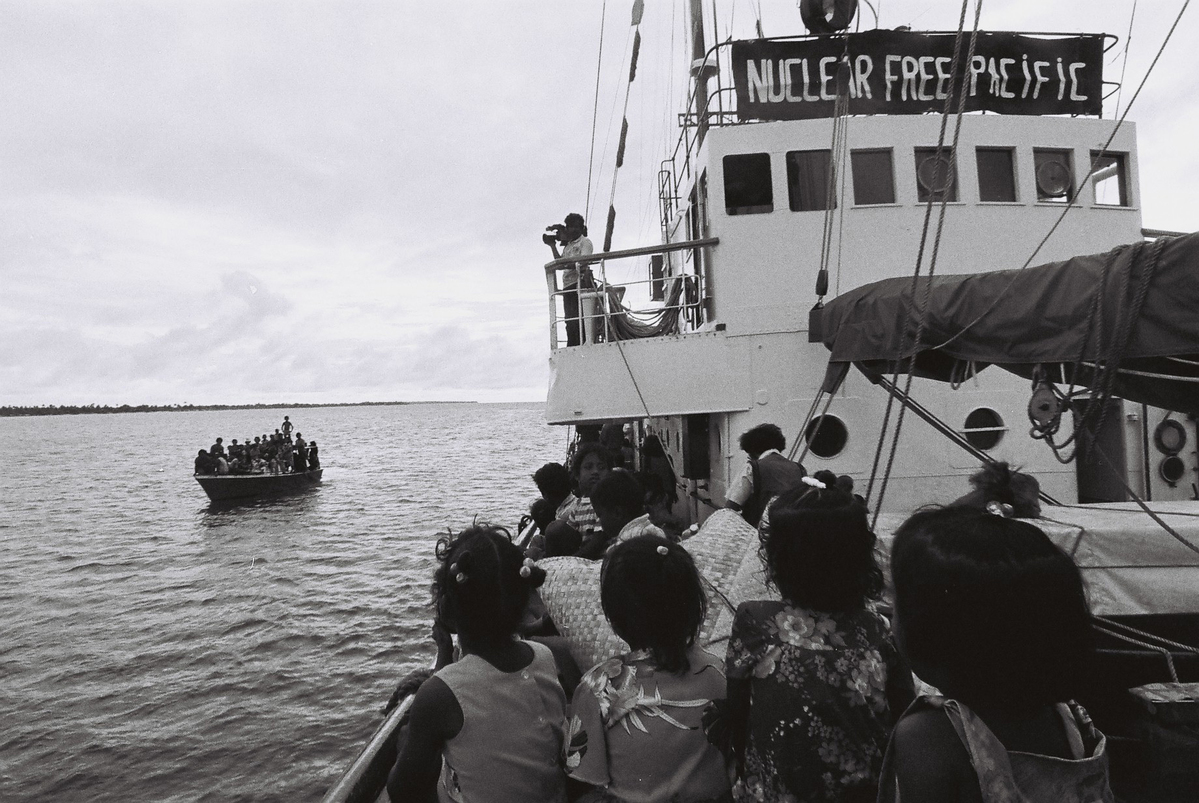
573	236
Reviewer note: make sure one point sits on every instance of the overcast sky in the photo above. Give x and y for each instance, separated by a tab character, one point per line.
238	202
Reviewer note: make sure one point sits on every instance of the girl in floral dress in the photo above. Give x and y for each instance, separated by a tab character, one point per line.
815	681
636	728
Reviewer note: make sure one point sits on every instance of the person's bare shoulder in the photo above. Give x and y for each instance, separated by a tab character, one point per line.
931	763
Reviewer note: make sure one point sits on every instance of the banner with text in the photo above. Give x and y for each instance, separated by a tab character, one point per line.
900	72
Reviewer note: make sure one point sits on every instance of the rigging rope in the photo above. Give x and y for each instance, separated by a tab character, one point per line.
1074	196
1127	47
944	193
637	11
599	60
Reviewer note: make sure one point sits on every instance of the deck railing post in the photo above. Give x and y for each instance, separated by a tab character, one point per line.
552	286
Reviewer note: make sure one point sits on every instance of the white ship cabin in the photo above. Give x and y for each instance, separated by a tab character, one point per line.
711	336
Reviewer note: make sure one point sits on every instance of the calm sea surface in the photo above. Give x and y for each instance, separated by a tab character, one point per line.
154	648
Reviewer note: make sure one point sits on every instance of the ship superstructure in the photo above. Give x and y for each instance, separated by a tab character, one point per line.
763	217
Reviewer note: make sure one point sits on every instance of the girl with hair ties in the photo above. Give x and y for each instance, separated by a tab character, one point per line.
993	614
489	726
814	681
635	735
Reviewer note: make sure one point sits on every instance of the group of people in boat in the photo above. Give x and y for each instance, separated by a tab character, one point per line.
814	698
271	453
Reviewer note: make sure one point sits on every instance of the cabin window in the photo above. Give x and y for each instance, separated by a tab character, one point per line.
996	174
809	175
747	184
1109	177
1055	178
873	177
826	436
936	177
984	428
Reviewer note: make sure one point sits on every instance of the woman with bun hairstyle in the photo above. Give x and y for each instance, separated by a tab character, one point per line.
814	681
488	727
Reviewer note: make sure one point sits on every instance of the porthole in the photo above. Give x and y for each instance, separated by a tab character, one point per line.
984	428
1172	469
1169	437
826	436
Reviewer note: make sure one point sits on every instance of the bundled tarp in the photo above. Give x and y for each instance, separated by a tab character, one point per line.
1133	311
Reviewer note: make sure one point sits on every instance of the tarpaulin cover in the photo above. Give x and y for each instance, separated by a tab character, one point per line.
1137	304
1130	565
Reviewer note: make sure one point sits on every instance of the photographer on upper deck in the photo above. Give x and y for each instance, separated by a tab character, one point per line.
573	236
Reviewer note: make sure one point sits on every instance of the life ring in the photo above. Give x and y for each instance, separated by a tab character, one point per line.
819	18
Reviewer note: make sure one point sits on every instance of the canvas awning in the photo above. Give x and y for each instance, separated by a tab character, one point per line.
1138	304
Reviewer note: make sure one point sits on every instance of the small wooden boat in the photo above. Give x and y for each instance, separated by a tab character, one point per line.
225	487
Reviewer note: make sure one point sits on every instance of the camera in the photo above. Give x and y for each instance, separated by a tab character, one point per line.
557	229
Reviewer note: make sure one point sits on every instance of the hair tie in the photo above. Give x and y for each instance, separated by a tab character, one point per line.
1001	509
461	577
814	483
663	551
526	569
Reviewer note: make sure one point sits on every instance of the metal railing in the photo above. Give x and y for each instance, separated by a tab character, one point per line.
602	312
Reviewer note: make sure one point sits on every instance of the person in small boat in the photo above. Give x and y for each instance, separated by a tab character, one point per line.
990	612
816	680
767	473
619	501
573	236
579	521
635	732
205	463
285	459
300	455
286	427
488	727
217	448
314	460
553	483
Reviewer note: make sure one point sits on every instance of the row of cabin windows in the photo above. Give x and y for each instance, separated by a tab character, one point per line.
812	186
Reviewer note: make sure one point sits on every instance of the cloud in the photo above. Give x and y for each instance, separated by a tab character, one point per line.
230	201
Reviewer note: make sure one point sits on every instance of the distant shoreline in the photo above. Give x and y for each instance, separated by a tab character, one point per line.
93	409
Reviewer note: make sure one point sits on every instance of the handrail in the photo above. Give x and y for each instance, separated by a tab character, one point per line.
367	776
566	262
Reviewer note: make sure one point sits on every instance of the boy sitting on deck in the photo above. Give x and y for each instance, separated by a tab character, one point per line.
579	521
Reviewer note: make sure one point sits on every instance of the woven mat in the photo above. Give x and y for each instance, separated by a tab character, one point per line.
725	551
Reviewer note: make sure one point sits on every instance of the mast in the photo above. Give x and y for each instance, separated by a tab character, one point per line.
701	71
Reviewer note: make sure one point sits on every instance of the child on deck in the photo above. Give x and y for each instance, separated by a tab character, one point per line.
815	681
578	521
553	482
636	727
994	615
490	726
619	502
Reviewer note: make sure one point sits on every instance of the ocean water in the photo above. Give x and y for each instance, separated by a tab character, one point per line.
153	647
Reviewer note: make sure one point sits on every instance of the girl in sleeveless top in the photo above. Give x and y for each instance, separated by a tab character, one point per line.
994	615
636	732
490	726
815	680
